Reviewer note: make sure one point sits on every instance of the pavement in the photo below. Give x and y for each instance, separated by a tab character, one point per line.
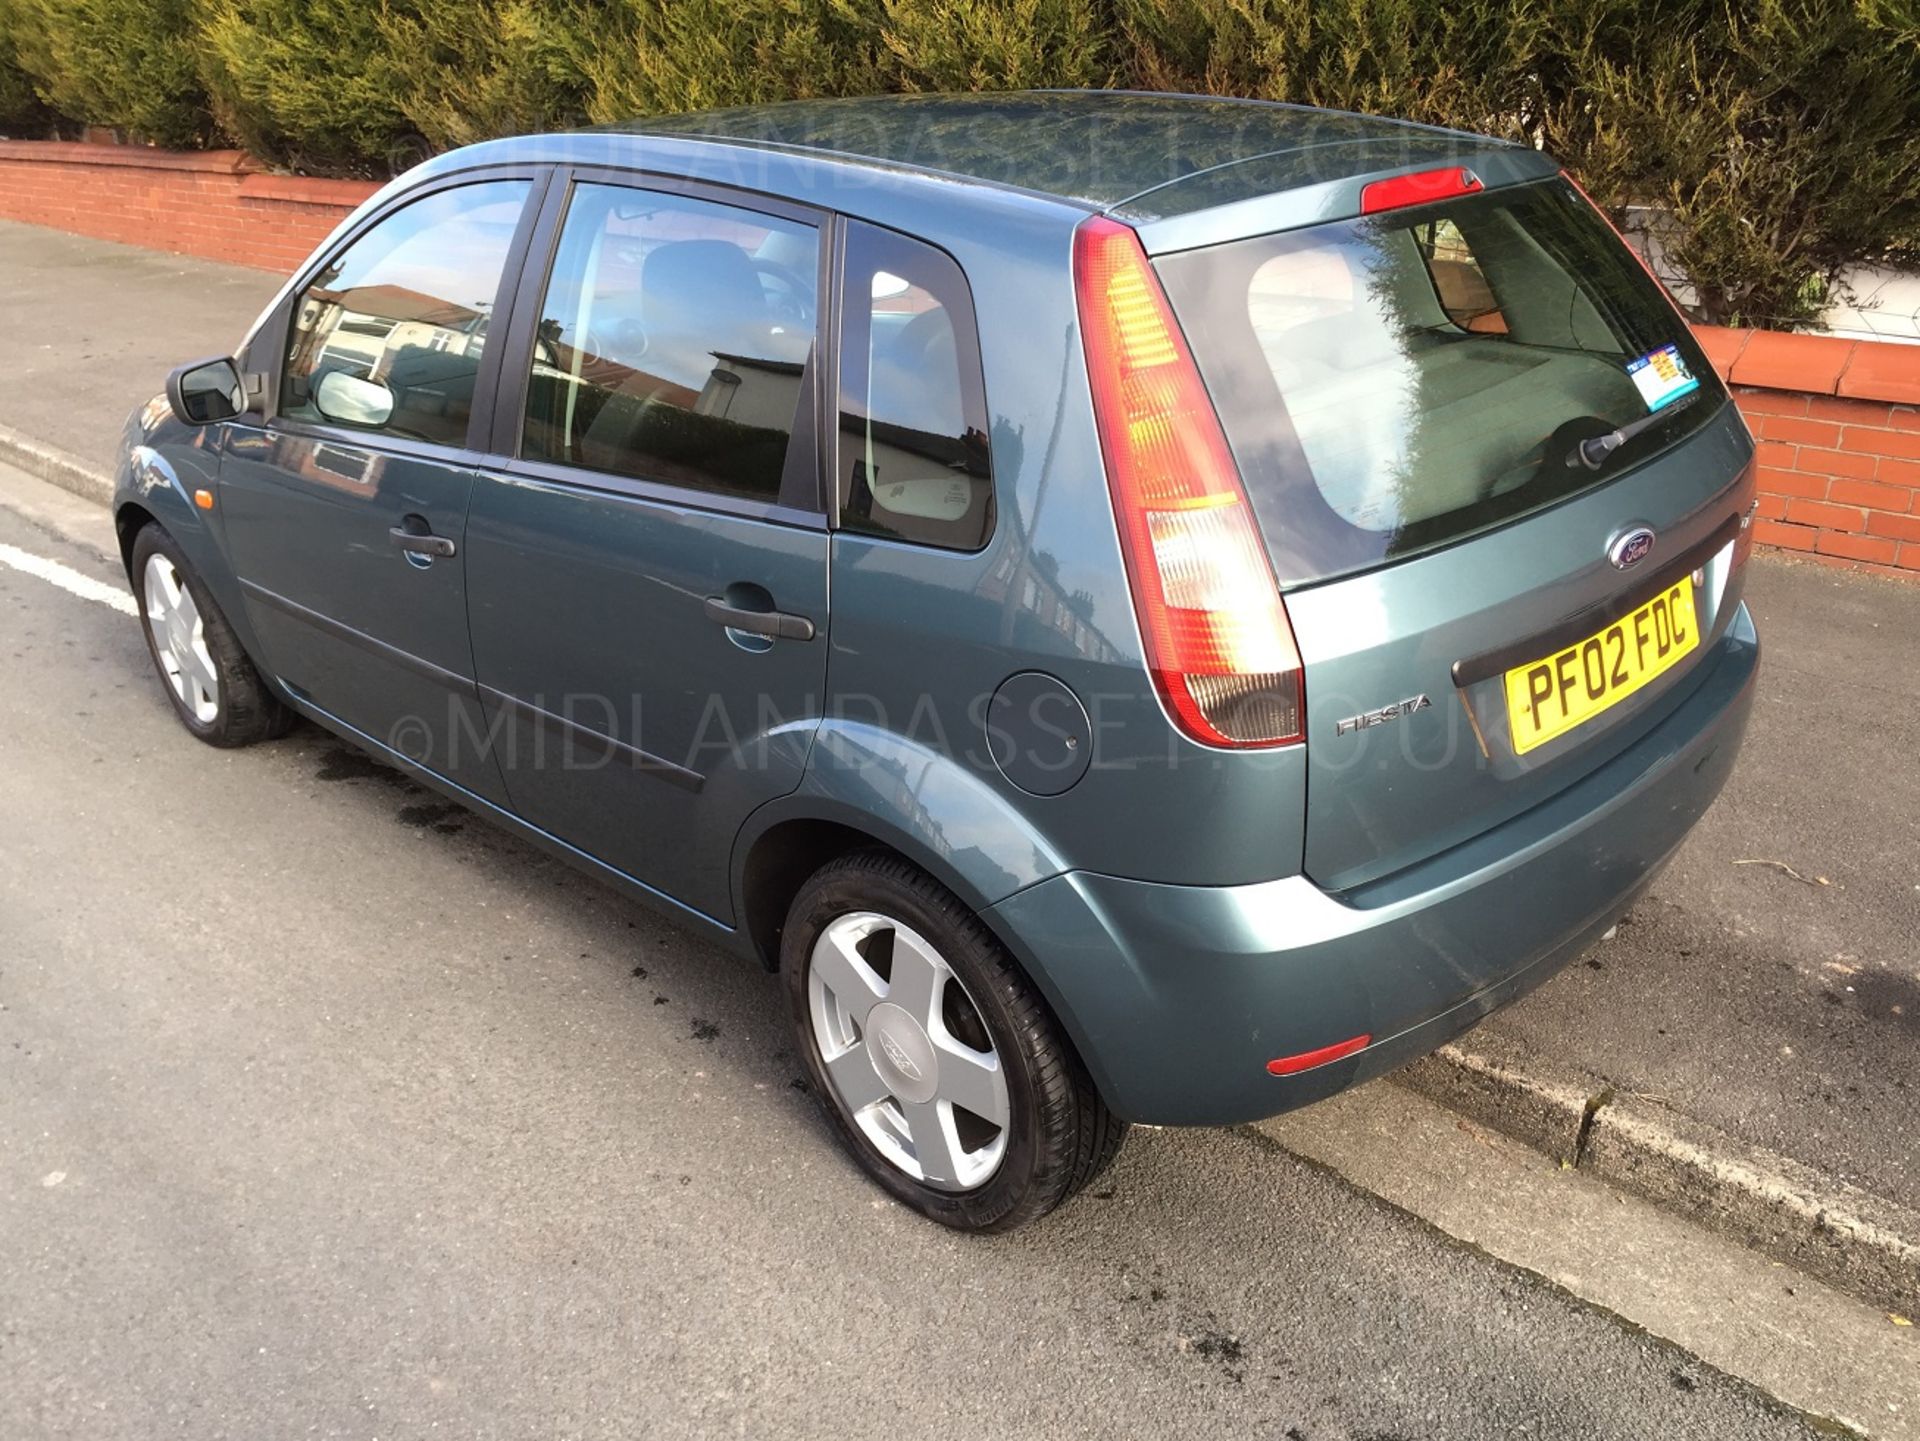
317	1057
90	331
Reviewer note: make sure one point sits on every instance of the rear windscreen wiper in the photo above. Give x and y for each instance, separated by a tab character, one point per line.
1593	453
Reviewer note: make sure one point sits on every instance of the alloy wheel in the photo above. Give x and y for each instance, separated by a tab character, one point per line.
180	640
906	1051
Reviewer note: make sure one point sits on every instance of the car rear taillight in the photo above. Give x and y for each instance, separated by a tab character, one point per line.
1216	632
1423	187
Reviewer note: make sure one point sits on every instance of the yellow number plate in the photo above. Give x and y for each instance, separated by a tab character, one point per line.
1552	695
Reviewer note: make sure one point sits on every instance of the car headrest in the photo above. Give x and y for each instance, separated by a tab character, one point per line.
708	291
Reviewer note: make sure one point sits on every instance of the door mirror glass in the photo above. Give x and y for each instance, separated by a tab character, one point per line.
206	391
352	400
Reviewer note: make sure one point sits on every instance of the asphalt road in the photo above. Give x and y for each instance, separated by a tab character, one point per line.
327	1110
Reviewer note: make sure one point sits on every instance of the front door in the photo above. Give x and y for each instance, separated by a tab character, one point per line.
346	511
648	575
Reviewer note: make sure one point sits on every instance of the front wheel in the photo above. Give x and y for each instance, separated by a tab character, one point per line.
937	1061
215	690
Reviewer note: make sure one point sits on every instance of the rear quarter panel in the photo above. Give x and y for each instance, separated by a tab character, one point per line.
922	638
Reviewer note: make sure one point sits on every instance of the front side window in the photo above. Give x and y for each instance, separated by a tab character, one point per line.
1406	379
388	337
914	461
673	342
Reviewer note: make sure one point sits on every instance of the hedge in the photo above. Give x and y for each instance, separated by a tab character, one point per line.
130	64
1776	141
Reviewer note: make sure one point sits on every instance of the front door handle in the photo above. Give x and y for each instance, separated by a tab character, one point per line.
775	624
421	542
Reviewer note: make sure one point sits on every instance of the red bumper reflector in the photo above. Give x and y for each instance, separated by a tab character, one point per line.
1423	187
1307	1060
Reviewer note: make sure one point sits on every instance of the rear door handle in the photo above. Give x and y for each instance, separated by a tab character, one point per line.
421	543
777	624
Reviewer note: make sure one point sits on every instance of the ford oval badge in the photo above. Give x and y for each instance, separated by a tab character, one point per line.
1630	547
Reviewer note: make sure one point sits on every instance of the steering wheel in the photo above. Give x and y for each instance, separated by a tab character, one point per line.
797	305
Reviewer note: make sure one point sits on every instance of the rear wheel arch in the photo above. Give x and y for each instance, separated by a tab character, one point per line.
784	854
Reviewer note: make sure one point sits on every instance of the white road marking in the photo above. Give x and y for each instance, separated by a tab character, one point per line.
68	579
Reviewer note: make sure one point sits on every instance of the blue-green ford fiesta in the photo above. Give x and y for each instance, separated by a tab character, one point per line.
1142	608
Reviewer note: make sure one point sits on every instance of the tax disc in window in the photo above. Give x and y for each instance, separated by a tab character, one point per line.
1662	377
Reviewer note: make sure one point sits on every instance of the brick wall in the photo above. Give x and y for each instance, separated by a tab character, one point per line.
1838	423
210	203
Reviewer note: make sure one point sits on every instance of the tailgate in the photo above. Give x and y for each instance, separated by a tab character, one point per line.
1499	484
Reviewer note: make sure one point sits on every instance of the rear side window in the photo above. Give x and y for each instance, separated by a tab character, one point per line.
913	454
1402	380
389	335
673	343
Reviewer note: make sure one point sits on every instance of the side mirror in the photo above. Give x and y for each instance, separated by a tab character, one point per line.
204	391
352	400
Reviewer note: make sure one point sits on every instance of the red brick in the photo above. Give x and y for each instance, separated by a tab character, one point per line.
1797	431
1787	537
1910	554
1838	462
1871	494
1896	527
1773	453
1904	444
1832	517
1769	507
1858	547
1904	417
1899	472
1792	482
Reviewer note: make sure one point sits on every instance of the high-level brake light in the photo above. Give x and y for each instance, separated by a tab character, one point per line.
1423	187
1217	638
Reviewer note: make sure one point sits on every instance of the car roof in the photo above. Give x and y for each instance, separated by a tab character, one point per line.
1146	155
1184	170
1101	148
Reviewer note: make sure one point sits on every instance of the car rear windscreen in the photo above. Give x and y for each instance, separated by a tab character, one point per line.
1397	382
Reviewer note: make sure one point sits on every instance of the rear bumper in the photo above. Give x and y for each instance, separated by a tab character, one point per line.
1178	996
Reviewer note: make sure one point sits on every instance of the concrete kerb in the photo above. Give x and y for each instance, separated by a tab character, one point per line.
1849	1238
56	467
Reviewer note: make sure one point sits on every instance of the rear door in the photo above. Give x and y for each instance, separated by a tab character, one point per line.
345	512
1489	597
647	567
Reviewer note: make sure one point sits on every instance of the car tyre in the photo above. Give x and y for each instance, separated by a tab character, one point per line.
215	689
906	1009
